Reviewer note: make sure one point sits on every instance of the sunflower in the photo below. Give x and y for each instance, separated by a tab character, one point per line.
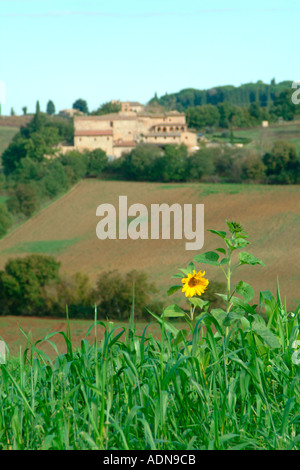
194	284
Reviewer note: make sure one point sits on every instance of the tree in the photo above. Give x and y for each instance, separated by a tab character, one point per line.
114	294
283	106
5	220
97	161
139	163
23	200
202	116
201	164
172	166
253	168
254	110
75	291
50	108
24	109
36	140
81	105
75	164
37	108
23	283
282	163
107	108
12	112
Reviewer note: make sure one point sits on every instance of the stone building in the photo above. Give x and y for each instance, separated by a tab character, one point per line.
117	133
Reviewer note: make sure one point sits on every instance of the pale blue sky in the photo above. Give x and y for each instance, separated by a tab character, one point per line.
128	49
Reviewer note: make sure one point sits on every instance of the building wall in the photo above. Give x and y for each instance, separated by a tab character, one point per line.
91	123
126	129
119	150
127	107
105	142
162	139
189	139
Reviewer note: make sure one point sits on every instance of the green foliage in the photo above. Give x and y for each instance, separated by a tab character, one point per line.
140	163
107	108
97	162
73	291
50	108
181	392
201	116
24	200
5	220
244	106
33	286
282	163
242	96
201	164
114	294
36	140
81	105
75	164
23	283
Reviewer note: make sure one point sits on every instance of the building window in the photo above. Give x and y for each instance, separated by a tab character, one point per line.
164	129
111	123
171	128
107	138
182	128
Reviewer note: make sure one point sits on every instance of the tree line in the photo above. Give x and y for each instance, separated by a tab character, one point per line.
34	286
281	165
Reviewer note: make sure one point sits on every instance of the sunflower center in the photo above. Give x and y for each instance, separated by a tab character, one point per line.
193	282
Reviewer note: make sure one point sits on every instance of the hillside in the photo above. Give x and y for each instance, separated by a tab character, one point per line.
243	95
9	126
6	135
67	229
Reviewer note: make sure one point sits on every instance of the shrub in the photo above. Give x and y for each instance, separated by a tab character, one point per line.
113	294
24	199
5	220
97	162
23	283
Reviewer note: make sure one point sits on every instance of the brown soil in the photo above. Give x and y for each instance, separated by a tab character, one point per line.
270	214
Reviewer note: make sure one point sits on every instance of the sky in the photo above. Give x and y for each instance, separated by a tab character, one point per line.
129	49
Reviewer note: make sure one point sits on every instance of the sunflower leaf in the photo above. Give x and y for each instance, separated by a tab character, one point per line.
173	289
198	302
210	257
173	311
247	258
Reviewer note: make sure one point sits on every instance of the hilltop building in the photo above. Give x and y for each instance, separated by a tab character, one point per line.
120	132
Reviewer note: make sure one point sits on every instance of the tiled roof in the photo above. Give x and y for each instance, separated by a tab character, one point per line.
88	133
